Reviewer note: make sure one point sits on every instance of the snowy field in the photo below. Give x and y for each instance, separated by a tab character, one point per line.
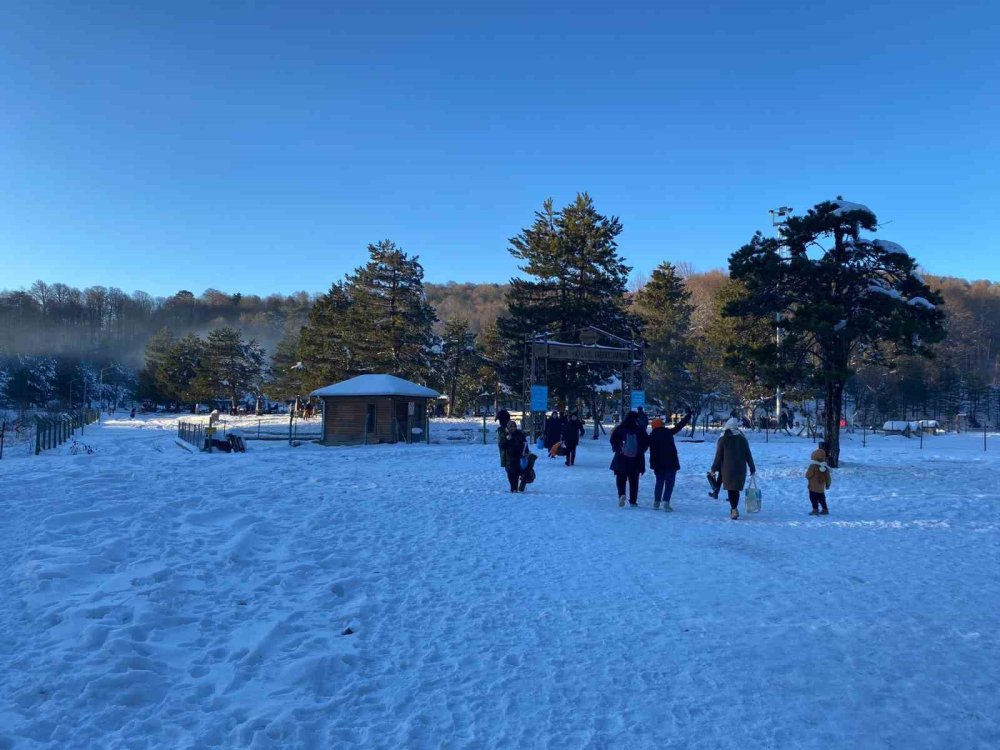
398	596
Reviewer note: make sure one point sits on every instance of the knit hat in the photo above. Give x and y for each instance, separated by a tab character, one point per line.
733	424
656	423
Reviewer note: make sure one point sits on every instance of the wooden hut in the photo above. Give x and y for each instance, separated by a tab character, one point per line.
374	409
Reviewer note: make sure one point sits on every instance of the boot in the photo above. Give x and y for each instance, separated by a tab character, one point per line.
666	507
814	512
734	514
656	505
824	512
621	501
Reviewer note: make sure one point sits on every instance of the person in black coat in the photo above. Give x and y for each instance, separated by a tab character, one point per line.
663	459
629	444
513	445
572	433
641	419
553	430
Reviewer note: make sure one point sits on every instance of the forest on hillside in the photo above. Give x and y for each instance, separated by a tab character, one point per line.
101	325
901	345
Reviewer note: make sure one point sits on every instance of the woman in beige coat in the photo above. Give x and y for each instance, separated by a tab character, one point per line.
729	469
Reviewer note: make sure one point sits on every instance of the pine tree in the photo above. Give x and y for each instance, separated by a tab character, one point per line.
458	356
327	346
579	280
391	319
664	306
157	351
286	373
231	365
837	309
177	376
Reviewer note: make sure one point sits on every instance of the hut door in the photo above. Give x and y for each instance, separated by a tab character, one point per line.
403	421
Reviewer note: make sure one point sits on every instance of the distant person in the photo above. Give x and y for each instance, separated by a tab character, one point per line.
514	445
132	413
642	419
572	433
663	459
629	444
729	469
818	475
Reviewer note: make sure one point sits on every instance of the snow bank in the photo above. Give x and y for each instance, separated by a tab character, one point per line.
920	302
399	596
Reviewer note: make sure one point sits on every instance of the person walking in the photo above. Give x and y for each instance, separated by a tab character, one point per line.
553	431
513	445
572	433
729	469
818	475
503	417
629	444
663	459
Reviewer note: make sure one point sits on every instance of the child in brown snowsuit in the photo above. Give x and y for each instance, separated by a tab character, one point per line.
820	480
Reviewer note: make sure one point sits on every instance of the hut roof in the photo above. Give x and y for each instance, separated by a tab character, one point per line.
376	385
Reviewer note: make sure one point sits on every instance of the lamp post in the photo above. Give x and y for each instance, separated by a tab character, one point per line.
779	218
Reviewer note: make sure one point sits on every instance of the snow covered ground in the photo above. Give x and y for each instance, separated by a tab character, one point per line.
398	596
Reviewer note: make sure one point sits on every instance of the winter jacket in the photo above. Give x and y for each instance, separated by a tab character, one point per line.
642	420
622	464
818	472
572	433
553	430
513	447
732	457
662	449
501	436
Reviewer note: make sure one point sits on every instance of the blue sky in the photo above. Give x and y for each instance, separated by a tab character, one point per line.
260	147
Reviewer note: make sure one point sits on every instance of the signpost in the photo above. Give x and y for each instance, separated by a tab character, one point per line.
539	398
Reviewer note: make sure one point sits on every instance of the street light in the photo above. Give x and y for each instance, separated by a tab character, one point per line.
779	218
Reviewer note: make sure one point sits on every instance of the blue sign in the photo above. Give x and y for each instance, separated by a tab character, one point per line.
638	399
539	397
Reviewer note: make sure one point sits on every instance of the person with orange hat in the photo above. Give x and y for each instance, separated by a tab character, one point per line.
663	459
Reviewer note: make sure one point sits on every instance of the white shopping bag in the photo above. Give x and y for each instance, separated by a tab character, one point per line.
753	497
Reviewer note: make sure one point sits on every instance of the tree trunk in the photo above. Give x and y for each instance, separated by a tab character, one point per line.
834	406
694	422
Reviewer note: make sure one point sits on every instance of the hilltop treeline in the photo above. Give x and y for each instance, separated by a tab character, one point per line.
59	343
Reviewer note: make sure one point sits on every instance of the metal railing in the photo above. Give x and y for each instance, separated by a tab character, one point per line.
193	433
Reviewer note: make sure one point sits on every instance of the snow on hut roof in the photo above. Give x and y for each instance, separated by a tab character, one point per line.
376	385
